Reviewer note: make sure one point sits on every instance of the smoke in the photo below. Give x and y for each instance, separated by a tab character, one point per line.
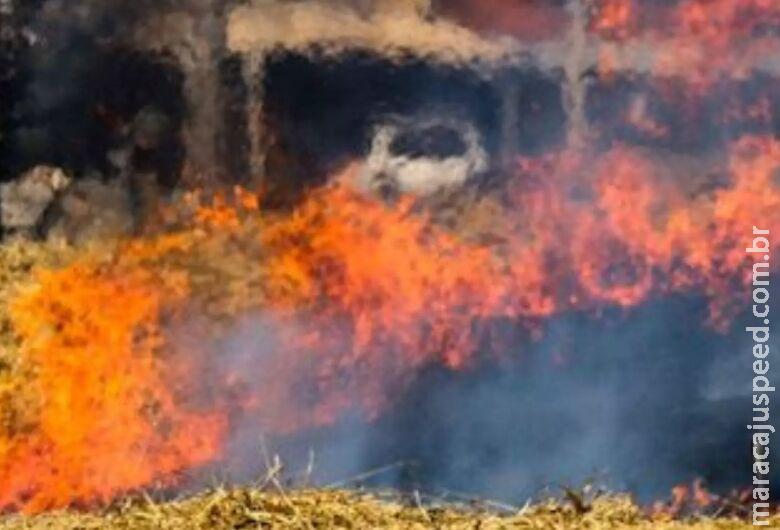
637	400
81	78
641	398
391	29
626	402
68	36
250	357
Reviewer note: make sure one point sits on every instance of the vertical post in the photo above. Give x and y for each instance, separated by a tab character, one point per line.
253	66
510	116
200	59
575	88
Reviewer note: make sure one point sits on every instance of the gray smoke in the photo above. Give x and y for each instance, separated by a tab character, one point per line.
638	401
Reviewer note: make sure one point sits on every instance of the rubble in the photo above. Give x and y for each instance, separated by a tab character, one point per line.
91	210
25	201
44	203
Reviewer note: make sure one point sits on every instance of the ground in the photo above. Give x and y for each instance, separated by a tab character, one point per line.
247	508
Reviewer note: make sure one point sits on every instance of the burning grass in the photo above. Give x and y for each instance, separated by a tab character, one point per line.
249	508
118	379
18	406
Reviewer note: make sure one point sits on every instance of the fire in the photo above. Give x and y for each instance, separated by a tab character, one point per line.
108	418
709	20
699	40
694	499
131	379
712	19
614	18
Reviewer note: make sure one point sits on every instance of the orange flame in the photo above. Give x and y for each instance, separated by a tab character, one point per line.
109	420
614	18
363	294
690	499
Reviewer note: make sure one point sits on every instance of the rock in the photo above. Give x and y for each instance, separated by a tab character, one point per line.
25	201
90	210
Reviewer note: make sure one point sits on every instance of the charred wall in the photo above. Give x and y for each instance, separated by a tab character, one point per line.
320	111
83	77
234	144
89	72
75	85
79	127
